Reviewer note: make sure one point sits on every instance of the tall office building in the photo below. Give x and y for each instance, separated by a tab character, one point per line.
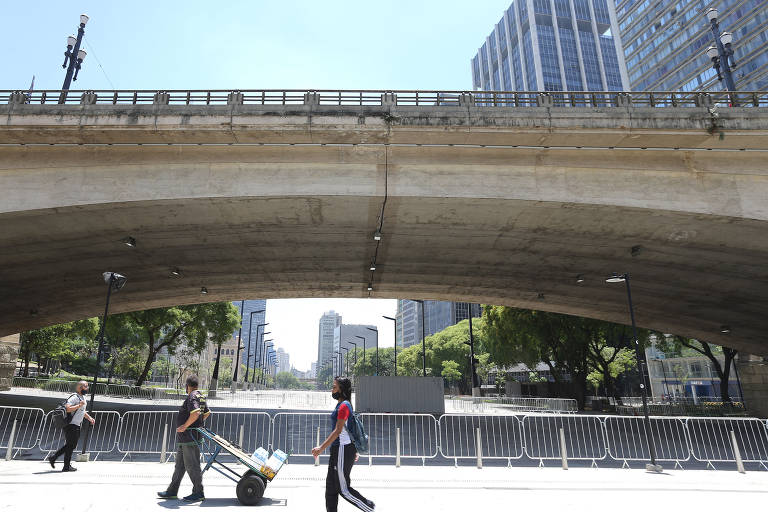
552	45
328	323
437	316
283	361
665	43
248	307
345	336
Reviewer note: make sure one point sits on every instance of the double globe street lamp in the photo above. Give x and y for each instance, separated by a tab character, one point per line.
73	57
721	54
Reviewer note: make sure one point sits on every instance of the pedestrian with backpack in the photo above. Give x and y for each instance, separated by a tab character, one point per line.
343	451
73	415
191	415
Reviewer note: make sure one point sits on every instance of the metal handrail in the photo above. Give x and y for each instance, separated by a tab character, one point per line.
393	97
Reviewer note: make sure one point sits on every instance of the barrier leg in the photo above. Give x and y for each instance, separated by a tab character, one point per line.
165	441
563	449
9	451
317	459
479	450
397	447
242	435
737	453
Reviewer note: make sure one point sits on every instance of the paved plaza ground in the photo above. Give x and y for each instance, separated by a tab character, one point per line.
131	486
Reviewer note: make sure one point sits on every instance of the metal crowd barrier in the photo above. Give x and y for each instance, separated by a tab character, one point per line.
248	430
711	439
626	439
101	439
298	433
19	427
457	436
147	432
584	437
501	437
419	436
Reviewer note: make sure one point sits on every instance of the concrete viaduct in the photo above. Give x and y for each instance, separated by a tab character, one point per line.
530	204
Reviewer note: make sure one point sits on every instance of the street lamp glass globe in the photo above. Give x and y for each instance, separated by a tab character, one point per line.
71	40
83	19
615	278
81	54
726	38
712	52
712	14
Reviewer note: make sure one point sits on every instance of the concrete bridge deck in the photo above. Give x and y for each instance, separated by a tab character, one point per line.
501	205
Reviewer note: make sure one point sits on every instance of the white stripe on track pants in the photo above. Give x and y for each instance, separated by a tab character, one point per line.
338	482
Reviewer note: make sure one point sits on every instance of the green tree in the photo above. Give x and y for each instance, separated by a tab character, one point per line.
53	341
571	346
450	371
325	376
287	380
193	325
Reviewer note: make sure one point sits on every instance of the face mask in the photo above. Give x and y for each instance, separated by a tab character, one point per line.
336	395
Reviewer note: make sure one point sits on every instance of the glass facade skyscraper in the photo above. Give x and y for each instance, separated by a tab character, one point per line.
247	307
552	45
664	43
437	316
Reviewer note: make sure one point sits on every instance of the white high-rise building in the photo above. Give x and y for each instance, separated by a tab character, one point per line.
328	323
283	361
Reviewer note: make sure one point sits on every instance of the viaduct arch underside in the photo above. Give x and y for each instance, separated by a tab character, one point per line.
498	224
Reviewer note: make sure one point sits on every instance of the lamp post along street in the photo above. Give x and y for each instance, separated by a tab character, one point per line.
355	345
73	57
259	342
259	350
239	346
248	350
346	360
395	340
473	361
362	338
377	347
263	360
116	281
641	366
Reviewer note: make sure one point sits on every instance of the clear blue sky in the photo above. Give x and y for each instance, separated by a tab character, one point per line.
422	44
289	44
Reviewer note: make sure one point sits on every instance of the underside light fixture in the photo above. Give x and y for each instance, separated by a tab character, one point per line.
377	235
725	329
636	250
373	266
203	291
370	287
175	272
615	278
116	280
129	241
580	278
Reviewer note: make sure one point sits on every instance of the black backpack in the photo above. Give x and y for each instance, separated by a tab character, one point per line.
60	416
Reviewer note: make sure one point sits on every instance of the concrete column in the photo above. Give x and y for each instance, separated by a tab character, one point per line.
312	99
753	374
466	100
544	100
88	98
9	351
161	98
703	99
388	99
235	98
17	98
622	100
